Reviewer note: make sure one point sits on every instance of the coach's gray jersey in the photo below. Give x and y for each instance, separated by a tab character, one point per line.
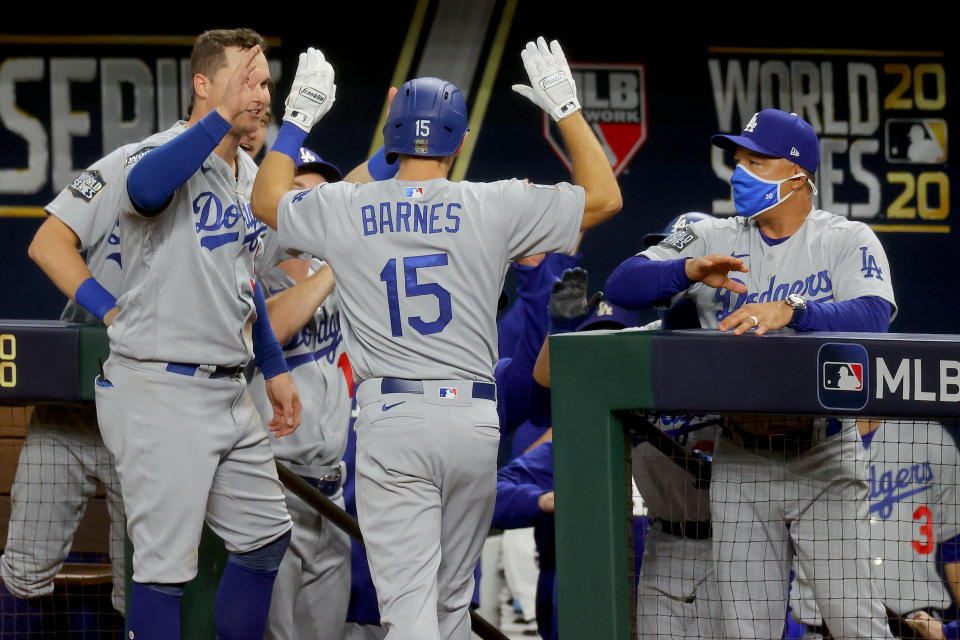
828	259
316	358
188	271
669	491
91	206
913	508
420	265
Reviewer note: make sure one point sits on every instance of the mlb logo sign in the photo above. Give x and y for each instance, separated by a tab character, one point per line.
614	100
448	392
413	192
843	376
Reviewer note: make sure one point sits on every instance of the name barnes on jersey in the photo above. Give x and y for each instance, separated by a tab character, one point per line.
408	217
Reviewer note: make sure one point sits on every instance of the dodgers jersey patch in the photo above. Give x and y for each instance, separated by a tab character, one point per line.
134	157
680	239
88	184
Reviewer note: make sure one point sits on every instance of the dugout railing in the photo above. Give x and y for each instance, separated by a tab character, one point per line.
596	376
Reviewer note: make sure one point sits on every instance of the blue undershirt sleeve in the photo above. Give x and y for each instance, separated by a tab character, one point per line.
155	178
869	313
948	551
641	283
268	356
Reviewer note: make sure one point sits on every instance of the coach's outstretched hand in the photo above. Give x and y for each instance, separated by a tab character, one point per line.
285	400
552	86
242	86
313	91
712	271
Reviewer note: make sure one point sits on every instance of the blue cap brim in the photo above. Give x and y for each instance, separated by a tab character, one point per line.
730	143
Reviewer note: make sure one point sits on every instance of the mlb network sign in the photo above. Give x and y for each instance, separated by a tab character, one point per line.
614	101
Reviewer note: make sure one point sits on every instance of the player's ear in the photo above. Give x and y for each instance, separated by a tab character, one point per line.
201	85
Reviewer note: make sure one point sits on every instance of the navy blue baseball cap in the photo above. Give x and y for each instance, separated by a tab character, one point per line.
779	134
307	160
607	312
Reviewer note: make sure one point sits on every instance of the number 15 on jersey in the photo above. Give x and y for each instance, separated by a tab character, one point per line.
411	289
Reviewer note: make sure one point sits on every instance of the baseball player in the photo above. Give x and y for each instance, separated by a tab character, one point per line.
779	263
63	460
313	584
420	263
172	402
914	523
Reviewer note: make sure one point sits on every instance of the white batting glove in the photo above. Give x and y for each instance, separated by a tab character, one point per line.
313	91
552	86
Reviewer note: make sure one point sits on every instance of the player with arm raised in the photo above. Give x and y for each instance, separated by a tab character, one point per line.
420	263
172	404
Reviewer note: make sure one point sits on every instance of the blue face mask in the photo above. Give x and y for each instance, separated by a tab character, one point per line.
752	195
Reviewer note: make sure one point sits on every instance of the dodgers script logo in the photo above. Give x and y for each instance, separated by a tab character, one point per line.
815	287
315	340
843	376
892	487
212	217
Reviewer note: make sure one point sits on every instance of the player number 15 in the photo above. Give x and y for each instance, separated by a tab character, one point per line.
412	289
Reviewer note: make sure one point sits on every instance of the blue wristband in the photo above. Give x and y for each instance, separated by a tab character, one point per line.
379	168
94	298
289	140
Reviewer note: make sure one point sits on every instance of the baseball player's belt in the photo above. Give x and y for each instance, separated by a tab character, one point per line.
481	390
187	369
328	484
795	442
693	529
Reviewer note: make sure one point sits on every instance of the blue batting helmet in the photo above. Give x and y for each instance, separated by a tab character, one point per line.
428	117
679	222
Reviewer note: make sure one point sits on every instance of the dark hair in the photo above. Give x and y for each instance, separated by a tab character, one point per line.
207	56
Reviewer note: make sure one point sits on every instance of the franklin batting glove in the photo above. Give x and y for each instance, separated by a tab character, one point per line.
552	86
313	91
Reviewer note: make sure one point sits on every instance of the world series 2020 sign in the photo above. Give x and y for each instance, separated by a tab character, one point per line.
881	117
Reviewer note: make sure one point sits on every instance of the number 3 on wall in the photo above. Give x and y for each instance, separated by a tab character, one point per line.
413	289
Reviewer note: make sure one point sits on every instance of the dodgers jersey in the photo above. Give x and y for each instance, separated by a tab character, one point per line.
828	259
188	271
913	507
90	206
420	264
314	355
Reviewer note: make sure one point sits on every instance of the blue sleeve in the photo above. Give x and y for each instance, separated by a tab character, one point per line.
641	283
268	357
869	313
948	551
952	630
155	178
519	487
540	408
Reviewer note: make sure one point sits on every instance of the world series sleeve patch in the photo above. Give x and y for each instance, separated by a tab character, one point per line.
88	184
680	239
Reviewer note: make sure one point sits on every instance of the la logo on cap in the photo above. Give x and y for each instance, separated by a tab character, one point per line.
751	125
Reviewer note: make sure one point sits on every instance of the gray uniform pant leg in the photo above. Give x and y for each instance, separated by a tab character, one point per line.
492	580
426	481
831	535
312	589
188	449
61	465
677	590
358	631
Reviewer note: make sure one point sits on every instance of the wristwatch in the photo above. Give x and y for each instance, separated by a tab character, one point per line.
798	304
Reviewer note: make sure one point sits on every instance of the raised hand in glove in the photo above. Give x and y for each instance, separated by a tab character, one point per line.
568	301
551	84
313	91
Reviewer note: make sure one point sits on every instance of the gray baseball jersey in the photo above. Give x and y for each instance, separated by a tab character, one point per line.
913	507
420	265
180	304
829	259
91	207
315	356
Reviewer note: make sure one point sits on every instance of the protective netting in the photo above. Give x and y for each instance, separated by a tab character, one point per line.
794	526
61	522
